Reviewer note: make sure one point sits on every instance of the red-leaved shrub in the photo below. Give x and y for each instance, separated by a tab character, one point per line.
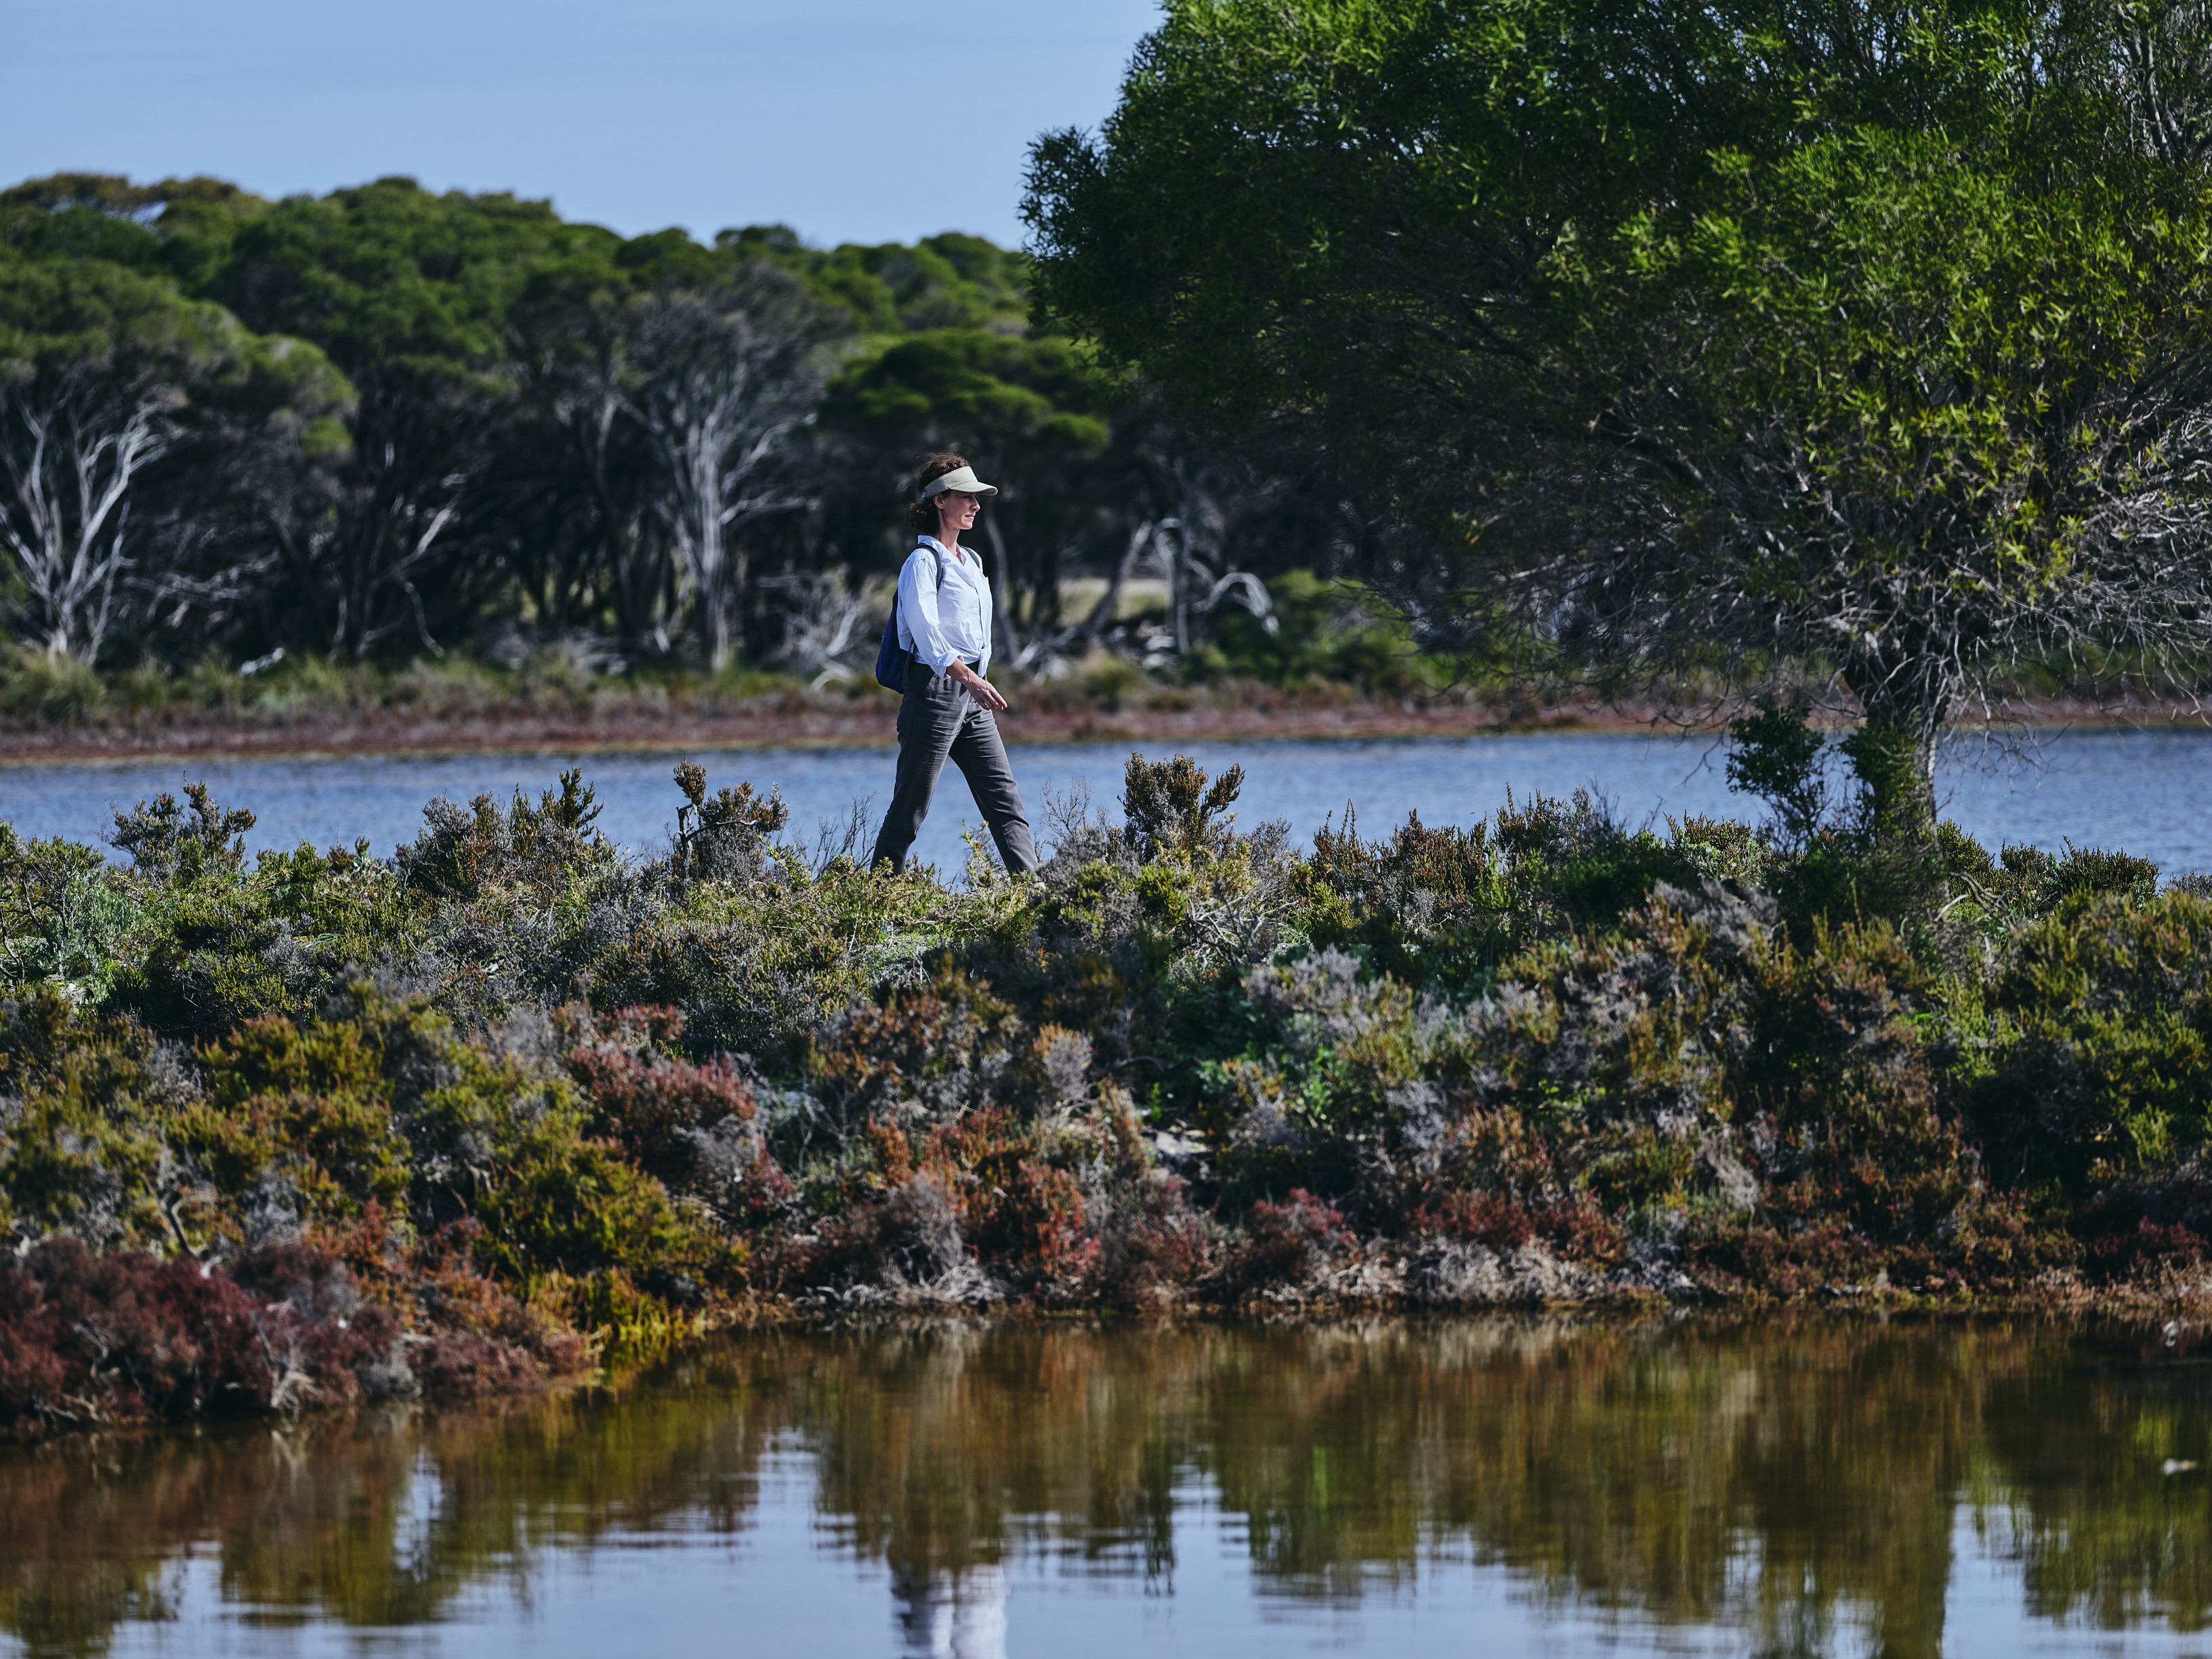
1144	1258
1575	1227
1284	1244
128	1336
644	1101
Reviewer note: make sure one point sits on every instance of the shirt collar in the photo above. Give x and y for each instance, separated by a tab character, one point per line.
962	558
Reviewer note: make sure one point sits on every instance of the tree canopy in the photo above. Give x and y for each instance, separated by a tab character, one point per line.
469	406
1868	336
421	423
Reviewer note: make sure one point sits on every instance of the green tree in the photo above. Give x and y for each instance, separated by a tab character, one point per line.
409	293
1869	333
583	491
1028	413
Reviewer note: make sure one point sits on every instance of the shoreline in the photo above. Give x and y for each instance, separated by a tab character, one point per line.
2174	1313
793	723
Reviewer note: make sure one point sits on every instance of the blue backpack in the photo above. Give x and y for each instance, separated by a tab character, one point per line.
891	657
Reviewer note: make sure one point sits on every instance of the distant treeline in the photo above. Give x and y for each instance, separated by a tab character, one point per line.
384	422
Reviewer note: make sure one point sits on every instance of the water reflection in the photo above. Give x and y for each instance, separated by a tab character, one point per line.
1787	1487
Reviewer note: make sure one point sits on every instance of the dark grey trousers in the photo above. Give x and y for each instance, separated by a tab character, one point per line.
940	719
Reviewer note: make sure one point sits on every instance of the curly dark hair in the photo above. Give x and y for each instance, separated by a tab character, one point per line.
921	515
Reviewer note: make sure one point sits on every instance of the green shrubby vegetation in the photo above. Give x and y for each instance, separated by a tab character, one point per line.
516	1087
1335	646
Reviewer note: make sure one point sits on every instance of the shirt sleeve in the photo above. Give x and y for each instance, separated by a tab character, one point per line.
917	617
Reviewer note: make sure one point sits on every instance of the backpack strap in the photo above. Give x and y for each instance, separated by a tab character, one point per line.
937	554
891	657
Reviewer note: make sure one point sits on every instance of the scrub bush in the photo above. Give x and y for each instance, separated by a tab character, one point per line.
1428	906
515	1096
658	1108
1152	1253
2100	1044
1284	1244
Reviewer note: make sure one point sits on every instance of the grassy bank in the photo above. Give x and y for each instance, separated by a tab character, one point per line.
319	1126
59	709
1345	682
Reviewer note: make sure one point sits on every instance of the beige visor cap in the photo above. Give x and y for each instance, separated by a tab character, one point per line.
962	478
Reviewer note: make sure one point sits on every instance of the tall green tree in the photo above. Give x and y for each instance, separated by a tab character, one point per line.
1028	412
409	292
583	491
1871	334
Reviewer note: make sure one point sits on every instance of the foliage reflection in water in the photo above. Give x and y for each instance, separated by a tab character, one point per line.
1807	1485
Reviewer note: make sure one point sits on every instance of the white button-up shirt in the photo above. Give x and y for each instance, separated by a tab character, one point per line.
943	623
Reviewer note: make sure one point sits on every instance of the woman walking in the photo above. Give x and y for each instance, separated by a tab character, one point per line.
944	624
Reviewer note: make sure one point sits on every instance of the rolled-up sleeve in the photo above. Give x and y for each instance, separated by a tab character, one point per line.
917	615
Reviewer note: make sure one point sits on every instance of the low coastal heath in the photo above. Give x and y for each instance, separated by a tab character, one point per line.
318	1127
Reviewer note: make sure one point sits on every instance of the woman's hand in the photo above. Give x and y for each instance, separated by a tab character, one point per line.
985	693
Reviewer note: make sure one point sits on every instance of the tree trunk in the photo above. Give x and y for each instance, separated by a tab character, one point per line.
1102	614
71	469
703	540
1009	643
1178	583
1892	754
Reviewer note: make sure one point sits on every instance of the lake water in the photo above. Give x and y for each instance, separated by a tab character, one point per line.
1799	1486
2147	792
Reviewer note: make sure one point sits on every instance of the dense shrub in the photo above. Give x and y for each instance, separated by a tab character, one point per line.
2100	1035
124	1336
515	1097
1153	1252
1285	1244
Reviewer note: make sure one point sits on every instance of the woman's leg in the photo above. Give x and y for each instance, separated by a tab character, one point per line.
980	754
928	721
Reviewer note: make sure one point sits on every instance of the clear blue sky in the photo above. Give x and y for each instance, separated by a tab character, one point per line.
850	120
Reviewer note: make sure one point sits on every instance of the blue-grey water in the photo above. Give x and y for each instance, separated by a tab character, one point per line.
1790	1485
2146	792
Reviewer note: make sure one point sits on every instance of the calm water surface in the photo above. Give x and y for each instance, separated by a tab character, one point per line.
2149	793
1472	1486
